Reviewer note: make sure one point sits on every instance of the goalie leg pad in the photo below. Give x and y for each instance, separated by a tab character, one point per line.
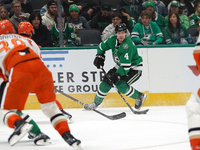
58	120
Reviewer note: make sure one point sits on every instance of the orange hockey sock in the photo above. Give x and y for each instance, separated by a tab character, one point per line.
11	119
62	127
195	143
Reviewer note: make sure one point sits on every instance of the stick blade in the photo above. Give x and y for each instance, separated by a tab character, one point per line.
141	112
117	116
113	117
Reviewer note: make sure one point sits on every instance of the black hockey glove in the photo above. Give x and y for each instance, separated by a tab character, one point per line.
99	60
114	77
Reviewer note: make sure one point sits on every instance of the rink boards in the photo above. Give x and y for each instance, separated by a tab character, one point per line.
166	78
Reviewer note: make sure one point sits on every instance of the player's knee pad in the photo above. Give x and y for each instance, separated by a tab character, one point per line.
122	86
52	111
104	87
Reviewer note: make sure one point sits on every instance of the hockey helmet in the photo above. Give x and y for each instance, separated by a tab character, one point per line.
6	27
120	27
25	27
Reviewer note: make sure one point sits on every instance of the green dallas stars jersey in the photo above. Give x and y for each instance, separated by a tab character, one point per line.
68	34
194	19
124	55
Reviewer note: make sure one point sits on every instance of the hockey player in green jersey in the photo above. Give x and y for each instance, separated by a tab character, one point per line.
127	69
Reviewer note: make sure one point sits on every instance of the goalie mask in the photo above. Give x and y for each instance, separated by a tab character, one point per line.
6	27
25	28
120	27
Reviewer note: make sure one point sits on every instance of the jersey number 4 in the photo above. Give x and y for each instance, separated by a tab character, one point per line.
126	56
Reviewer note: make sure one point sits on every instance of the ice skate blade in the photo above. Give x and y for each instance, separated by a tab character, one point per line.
24	130
42	142
76	146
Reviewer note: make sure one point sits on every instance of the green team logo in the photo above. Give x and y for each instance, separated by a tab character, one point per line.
125	46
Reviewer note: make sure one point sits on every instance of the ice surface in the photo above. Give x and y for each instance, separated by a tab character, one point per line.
162	128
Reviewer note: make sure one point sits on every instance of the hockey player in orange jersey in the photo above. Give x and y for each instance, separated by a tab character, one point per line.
193	106
24	72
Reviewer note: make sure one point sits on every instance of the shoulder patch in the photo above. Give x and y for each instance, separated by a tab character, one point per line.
125	46
69	25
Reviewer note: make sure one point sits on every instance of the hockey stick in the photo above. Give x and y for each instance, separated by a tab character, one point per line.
134	111
113	117
64	112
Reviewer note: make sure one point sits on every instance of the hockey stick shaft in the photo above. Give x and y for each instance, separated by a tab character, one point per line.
114	117
135	112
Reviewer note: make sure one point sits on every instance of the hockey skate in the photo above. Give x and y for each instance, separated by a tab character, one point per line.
140	100
91	106
71	140
67	116
22	128
41	139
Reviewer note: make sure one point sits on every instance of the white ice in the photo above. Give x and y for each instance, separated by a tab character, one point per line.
162	128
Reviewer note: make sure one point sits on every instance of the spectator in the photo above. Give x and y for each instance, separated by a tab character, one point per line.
175	32
18	16
184	7
127	19
195	34
194	18
147	32
48	18
44	9
68	32
3	13
190	6
6	4
77	21
102	19
160	7
26	6
66	4
158	18
110	29
42	35
132	7
174	7
88	8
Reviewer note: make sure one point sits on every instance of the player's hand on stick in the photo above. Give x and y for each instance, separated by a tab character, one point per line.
114	77
99	60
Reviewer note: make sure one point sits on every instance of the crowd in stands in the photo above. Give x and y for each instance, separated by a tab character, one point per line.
149	22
